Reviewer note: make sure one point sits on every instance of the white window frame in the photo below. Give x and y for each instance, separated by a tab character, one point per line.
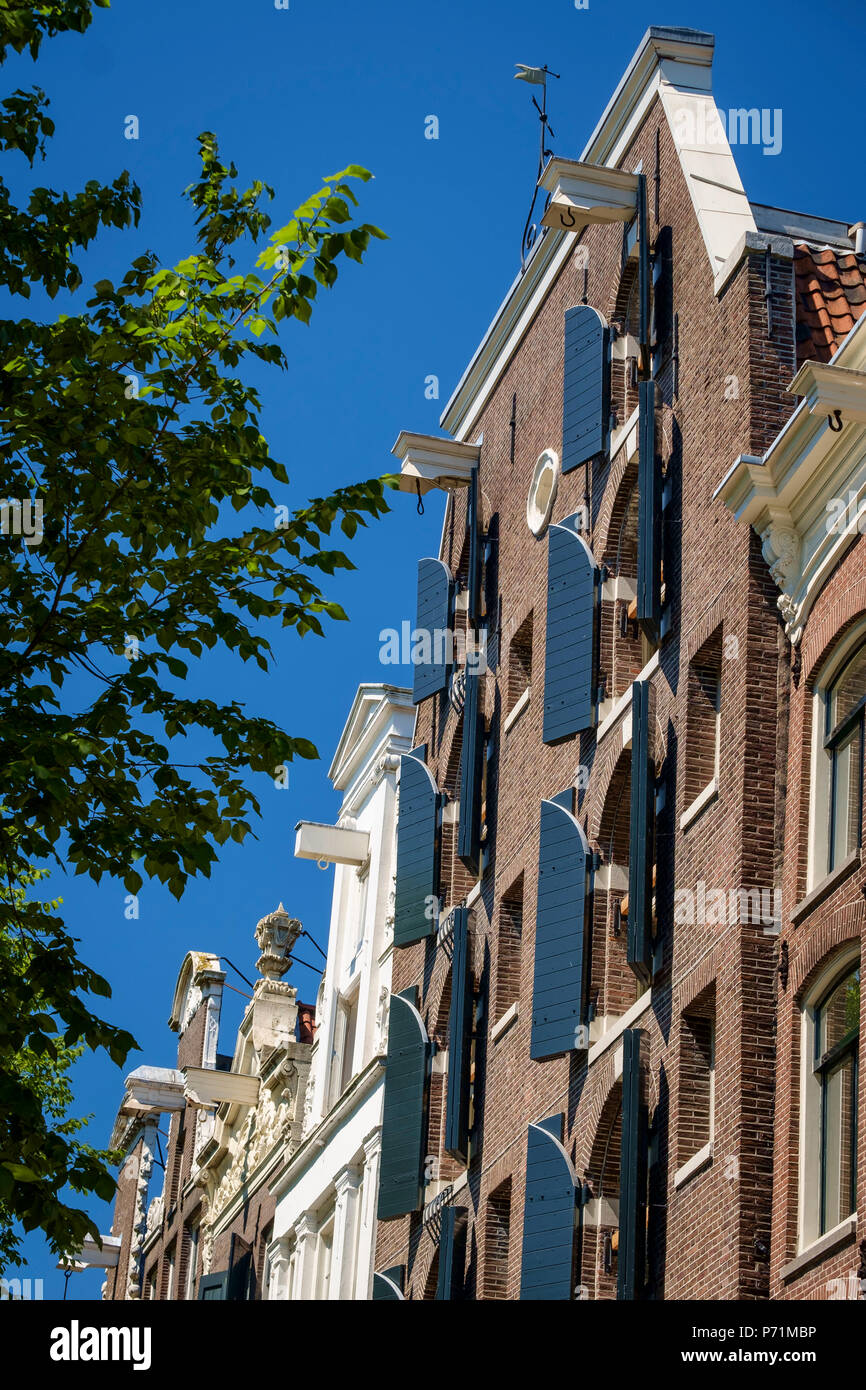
809	1175
820	765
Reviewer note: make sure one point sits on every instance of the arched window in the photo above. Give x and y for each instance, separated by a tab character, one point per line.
831	1061
844	704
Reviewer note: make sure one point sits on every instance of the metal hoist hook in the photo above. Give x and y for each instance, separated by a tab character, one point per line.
839	424
420	503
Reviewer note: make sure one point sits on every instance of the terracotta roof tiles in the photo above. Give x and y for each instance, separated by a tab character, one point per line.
831	296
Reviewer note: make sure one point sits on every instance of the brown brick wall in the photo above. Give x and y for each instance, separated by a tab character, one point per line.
711	1236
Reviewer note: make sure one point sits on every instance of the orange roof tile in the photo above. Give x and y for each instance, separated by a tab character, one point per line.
831	296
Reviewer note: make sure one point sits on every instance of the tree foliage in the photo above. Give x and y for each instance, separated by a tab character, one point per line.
165	535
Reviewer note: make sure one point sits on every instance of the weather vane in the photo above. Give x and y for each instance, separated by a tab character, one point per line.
537	77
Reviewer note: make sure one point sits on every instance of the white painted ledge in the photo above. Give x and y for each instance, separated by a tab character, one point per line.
825	1245
515	714
701	801
502	1025
624	701
702	1159
615	1030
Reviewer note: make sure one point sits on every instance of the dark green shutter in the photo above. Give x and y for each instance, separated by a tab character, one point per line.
649	515
585	387
214	1285
432	629
570	638
417	882
459	1042
471	773
640	855
558	985
631	1255
643	271
388	1284
548	1214
452	1252
403	1117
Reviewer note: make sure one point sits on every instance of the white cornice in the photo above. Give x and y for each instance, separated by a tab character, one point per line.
806	497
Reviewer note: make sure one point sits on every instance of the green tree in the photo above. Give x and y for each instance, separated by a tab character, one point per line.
163	537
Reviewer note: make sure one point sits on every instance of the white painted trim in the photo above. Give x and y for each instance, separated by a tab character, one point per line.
503	1024
702	800
515	714
827	1243
624	701
702	1159
616	1029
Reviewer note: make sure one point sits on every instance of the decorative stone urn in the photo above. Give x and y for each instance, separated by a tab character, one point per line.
276	935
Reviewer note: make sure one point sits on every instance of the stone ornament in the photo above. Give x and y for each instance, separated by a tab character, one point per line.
276	935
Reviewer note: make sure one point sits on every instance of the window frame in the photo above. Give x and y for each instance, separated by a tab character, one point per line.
812	1186
823	1068
822	861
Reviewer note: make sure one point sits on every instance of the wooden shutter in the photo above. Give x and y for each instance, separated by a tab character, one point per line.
640	855
471	774
649	582
586	386
459	1042
548	1214
570	639
388	1284
631	1254
432	629
558	984
403	1118
417	853
452	1252
214	1285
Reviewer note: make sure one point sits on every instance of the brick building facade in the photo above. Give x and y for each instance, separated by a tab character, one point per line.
622	840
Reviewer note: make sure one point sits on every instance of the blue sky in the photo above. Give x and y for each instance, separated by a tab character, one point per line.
293	95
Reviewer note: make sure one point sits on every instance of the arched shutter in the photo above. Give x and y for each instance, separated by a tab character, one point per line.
459	1042
548	1214
403	1115
640	855
631	1254
569	651
471	773
558	984
432	636
388	1285
452	1252
649	515
586	386
417	881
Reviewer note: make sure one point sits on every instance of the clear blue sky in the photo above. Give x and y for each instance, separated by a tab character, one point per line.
293	95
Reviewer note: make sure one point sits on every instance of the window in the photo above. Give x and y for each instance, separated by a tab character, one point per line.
843	741
343	1051
191	1261
509	943
150	1285
171	1263
829	1126
324	1251
703	733
497	1239
520	662
696	1080
836	1035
